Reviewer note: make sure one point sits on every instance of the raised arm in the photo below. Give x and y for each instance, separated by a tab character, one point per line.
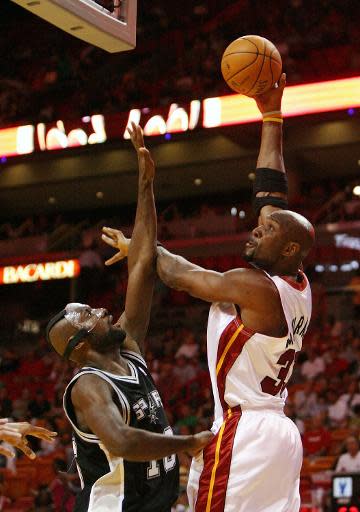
91	394
271	154
142	249
246	287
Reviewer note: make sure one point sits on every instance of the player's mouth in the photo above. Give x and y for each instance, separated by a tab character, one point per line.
250	243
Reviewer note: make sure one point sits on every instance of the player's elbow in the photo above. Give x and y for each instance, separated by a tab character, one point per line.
120	443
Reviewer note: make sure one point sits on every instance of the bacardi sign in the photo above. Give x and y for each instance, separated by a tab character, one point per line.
30	272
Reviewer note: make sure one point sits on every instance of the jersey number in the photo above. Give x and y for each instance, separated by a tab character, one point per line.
272	386
153	471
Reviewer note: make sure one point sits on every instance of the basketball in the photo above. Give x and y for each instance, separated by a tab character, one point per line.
251	65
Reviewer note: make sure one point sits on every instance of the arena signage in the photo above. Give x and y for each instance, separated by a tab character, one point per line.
45	271
212	112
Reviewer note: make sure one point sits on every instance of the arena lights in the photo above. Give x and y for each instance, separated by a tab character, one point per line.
298	100
345	267
46	271
212	112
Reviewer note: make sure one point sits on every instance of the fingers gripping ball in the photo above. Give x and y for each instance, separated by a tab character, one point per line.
251	65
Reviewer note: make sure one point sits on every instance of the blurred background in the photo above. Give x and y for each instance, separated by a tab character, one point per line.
66	170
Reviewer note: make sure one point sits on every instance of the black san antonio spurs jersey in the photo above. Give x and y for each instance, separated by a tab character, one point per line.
112	484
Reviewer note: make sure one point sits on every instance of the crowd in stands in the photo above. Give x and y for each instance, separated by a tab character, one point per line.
54	76
331	201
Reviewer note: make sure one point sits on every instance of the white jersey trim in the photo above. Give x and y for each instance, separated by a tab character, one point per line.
108	492
134	355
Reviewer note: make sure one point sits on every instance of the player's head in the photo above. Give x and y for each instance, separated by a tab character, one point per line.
79	328
281	242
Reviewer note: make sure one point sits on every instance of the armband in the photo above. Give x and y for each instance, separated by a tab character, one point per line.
270	180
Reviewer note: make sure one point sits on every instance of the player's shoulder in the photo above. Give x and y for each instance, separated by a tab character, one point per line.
88	384
253	277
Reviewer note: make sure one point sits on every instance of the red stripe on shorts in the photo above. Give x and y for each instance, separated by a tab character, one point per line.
217	460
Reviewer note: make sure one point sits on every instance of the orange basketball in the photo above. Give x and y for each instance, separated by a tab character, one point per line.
251	65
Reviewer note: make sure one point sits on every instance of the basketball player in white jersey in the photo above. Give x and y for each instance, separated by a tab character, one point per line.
257	321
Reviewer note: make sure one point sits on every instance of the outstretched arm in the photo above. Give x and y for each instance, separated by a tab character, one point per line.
142	248
91	394
271	148
240	286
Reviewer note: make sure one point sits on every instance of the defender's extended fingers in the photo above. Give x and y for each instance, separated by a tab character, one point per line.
108	240
117	257
111	231
41	433
27	450
6	452
140	135
9	434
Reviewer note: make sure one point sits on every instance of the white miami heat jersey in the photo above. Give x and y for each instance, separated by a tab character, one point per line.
251	369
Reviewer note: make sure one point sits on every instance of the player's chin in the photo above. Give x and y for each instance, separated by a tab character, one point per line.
249	254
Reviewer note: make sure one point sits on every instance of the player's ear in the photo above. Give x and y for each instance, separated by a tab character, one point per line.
290	249
78	353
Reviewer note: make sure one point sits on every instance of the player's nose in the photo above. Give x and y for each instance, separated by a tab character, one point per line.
258	232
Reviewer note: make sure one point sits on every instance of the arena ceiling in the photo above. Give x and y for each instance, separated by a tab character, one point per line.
316	148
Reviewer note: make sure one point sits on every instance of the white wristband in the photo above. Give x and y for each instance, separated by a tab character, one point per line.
273	112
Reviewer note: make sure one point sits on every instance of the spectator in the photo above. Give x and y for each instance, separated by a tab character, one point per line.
4	500
20	408
337	408
305	400
43	499
317	438
62	489
349	462
183	371
5	402
39	406
189	348
313	366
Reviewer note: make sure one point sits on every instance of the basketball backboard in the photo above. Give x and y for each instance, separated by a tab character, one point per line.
112	31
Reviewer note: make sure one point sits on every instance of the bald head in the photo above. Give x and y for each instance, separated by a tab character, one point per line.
296	228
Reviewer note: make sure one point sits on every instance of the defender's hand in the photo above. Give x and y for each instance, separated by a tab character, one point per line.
200	441
146	163
6	452
116	239
136	136
270	101
15	434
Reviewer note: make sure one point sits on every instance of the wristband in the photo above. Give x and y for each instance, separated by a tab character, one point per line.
272	113
273	120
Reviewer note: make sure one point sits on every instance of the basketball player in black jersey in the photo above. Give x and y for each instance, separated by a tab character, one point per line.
123	443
